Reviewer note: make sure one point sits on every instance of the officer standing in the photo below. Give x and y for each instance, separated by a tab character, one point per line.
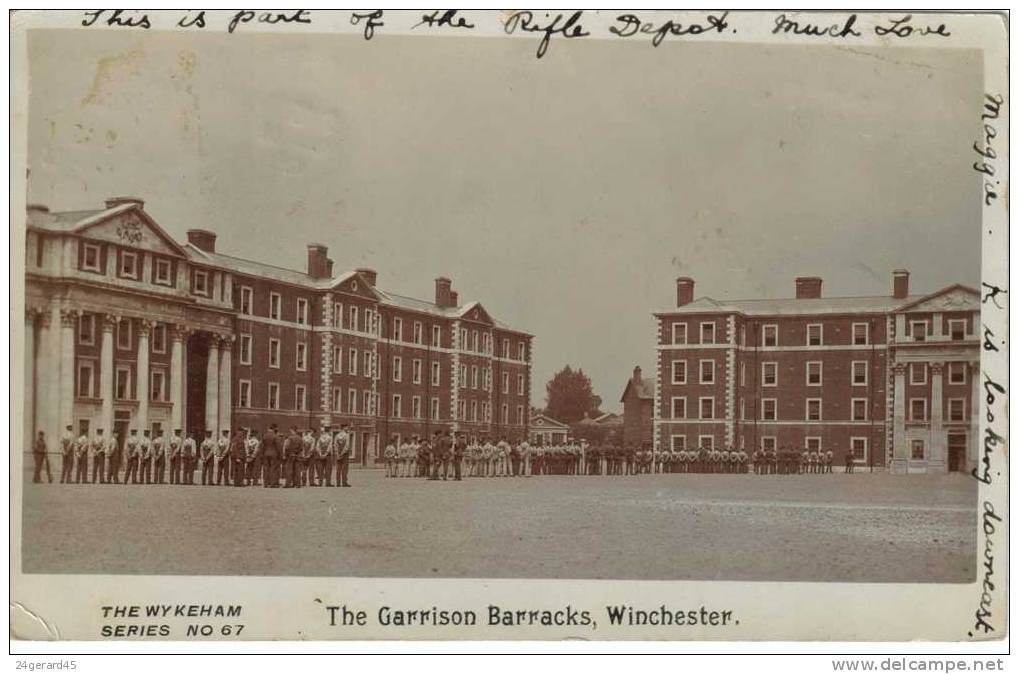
41	459
131	452
223	458
175	460
81	450
160	450
206	457
850	461
189	459
67	455
341	444
113	456
237	458
145	458
291	448
99	458
252	452
324	446
459	445
307	459
389	457
270	458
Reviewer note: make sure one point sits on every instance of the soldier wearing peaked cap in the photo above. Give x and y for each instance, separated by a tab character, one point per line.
67	455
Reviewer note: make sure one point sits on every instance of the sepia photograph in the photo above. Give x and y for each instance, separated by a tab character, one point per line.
407	305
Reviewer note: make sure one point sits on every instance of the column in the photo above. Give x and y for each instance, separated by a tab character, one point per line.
177	334
937	462
212	386
64	368
106	373
900	453
144	332
29	388
973	446
226	384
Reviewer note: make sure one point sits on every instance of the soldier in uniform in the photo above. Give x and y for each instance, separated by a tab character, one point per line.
291	448
113	460
270	458
306	460
160	451
324	450
850	461
131	451
341	443
503	463
252	453
459	445
222	458
829	458
145	458
237	457
99	445
81	451
189	460
67	455
40	458
389	456
206	458
175	457
444	447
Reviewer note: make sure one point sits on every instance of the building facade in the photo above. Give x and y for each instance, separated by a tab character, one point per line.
892	379
638	410
128	329
546	431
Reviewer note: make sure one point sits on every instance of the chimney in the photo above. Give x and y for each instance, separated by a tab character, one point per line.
684	291
369	274
329	268
202	239
636	375
443	293
454	298
900	284
318	261
808	288
113	202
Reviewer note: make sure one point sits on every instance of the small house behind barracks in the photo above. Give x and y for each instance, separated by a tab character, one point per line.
128	329
894	378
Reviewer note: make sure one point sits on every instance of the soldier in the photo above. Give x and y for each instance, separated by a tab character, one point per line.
829	458
113	459
405	468
850	461
99	445
389	456
270	455
459	445
306	460
503	451
189	458
145	458
252	454
488	458
131	450
324	457
207	457
342	449
160	451
237	458
175	457
67	455
222	458
41	459
81	450
430	449
445	449
815	462
291	450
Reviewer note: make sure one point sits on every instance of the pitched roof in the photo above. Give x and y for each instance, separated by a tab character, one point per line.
549	421
645	388
792	306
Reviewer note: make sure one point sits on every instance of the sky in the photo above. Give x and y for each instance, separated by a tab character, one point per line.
565	194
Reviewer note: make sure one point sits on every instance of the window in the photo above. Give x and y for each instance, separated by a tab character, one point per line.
247	300
157	386
679	333
474	410
415	371
244	349
367	363
859	409
463	376
919	331
679	407
769	374
436	373
918	409
520	384
352	318
122	386
397	329
274	352
201	282
337	399
418	333
706	441
861	334
678	443
769	335
768	409
87	329
128	265
957	373
813	409
474	340
352	361
437	336
956	409
858	448
91	258
300	398
274	396
814	373
397	403
163	272
159	338
301	360
521	351
708	333
337	360
474	376
435	409
742	374
679	372
814	334
124	336
368	403
707	371
707	408
918	373
244	393
351	401
917	450
859	368
504	418
415	407
302	311
957	329
520	415
461	410
337	314
275	302
505	348
505	382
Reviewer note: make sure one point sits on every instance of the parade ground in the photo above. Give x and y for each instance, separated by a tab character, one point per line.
859	527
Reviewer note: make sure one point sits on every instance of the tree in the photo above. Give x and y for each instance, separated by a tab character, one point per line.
569	396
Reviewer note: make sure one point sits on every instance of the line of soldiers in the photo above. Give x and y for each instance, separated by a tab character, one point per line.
243	457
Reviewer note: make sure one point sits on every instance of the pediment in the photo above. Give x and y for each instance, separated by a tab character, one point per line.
135	229
476	313
357	285
954	298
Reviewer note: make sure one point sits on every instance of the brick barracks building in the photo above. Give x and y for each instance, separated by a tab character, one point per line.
891	378
126	328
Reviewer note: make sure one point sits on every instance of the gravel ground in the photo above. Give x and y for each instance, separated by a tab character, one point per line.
861	527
